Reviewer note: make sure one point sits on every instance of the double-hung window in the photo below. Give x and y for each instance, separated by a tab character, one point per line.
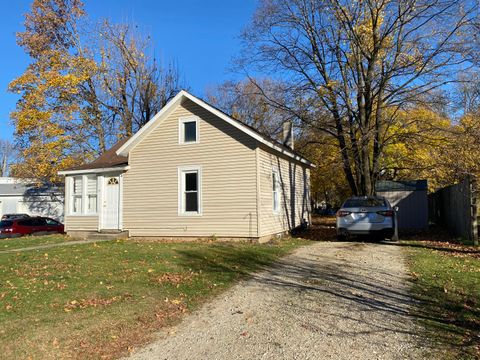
83	193
275	191
188	130
190	191
91	194
77	189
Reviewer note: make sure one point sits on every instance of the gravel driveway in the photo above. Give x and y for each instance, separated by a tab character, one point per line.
326	301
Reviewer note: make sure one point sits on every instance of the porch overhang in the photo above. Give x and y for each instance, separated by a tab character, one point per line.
94	171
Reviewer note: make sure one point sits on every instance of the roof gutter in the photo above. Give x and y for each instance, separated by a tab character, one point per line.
94	171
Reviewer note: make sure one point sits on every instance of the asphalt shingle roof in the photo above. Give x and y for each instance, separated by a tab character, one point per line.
108	159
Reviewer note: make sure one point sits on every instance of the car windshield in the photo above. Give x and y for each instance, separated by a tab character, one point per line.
367	202
5	224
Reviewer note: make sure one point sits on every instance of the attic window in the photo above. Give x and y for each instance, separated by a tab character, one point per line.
188	130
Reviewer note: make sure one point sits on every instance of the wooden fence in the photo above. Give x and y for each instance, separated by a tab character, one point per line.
455	207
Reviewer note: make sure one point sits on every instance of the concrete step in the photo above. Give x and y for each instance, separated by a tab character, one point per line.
108	235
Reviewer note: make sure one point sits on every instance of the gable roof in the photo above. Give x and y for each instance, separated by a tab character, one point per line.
109	159
183	95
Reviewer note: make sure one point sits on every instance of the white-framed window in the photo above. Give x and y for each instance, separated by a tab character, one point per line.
275	191
77	189
190	190
83	193
91	194
188	130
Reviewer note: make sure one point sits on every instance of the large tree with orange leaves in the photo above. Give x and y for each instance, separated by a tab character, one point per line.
83	90
48	88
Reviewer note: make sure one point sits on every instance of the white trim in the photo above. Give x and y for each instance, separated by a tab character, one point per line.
180	179
72	194
137	138
100	200
258	192
120	199
181	129
84	195
87	194
94	171
120	203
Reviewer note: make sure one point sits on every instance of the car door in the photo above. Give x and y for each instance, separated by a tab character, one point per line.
52	225
25	227
39	225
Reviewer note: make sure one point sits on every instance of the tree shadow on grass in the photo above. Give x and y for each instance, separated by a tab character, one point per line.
364	296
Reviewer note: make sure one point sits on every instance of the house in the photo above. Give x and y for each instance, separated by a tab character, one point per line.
24	196
191	172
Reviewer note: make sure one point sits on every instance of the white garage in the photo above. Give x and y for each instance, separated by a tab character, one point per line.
21	196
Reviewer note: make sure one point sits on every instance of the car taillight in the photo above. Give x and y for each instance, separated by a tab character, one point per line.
342	213
387	213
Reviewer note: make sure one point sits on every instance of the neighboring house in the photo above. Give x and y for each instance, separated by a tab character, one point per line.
191	172
23	196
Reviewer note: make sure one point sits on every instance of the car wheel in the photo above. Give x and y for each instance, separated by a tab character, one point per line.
341	238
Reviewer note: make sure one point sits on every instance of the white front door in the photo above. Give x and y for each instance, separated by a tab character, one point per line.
111	208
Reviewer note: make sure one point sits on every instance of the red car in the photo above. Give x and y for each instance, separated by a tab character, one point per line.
30	225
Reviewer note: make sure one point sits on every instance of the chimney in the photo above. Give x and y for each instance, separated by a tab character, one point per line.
288	134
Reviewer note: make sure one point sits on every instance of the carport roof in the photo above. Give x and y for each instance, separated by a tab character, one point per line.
21	189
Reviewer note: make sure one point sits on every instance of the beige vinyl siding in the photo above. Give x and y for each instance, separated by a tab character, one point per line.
87	223
294	195
227	158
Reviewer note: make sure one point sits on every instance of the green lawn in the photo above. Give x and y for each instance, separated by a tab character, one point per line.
447	282
28	241
103	299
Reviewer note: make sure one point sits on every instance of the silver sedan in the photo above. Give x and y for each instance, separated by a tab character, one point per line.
366	215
